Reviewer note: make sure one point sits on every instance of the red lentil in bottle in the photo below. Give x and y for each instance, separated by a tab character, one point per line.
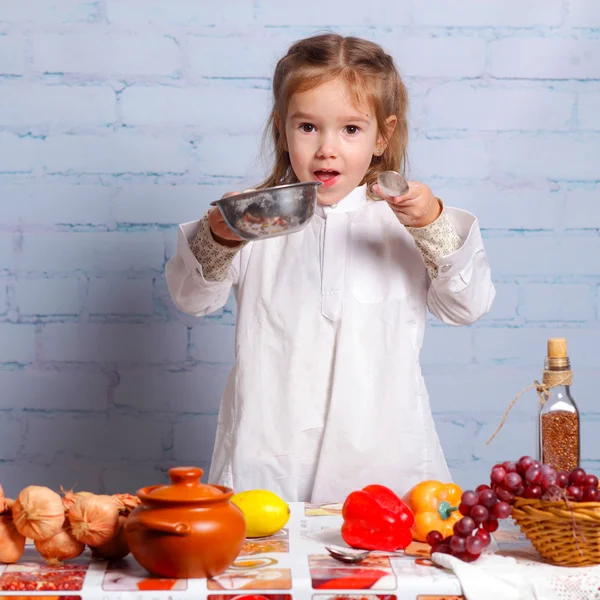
559	424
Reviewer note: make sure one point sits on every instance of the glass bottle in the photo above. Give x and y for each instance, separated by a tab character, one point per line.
559	423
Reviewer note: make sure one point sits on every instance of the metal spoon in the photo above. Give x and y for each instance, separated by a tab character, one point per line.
392	183
351	555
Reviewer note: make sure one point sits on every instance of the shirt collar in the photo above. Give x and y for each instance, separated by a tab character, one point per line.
356	199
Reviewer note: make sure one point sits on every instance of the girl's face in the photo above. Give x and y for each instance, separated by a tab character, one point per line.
330	139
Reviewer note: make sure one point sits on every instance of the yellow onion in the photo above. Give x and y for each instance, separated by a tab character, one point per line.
61	546
38	512
126	502
116	548
94	519
12	543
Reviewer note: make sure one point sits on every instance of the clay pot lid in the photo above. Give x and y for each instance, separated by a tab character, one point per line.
185	486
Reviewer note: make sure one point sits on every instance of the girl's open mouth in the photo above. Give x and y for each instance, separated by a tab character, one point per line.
327	177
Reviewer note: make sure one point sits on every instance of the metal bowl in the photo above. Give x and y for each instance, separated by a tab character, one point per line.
267	213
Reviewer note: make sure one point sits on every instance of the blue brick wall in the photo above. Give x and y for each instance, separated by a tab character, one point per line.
120	119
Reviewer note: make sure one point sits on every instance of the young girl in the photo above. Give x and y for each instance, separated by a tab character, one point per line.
326	394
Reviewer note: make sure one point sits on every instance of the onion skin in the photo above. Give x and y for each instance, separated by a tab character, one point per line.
12	543
38	513
60	547
116	548
94	519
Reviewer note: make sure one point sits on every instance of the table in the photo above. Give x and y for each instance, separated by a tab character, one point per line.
291	565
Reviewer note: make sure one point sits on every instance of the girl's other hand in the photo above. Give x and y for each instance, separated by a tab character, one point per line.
222	234
417	208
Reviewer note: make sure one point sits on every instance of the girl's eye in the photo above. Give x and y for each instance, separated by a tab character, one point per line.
352	129
307	127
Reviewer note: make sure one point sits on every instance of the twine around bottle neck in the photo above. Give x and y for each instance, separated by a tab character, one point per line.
550	379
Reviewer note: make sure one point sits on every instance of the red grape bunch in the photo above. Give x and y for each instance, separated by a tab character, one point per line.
482	508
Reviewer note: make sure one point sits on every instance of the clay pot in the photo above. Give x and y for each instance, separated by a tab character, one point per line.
187	529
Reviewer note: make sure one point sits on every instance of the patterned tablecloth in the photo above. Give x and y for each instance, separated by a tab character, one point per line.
291	565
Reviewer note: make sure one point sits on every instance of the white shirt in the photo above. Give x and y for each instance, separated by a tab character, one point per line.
326	394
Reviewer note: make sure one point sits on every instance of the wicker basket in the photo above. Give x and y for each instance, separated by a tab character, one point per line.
563	535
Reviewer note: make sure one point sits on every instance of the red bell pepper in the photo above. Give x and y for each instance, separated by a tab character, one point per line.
376	519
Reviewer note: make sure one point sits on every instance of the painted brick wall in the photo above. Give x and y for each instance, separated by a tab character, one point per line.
121	118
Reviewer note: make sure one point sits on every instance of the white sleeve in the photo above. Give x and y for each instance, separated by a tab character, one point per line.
463	290
190	290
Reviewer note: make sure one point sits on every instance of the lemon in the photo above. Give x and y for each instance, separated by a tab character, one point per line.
265	512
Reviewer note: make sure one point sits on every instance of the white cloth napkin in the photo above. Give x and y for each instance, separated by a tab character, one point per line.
495	577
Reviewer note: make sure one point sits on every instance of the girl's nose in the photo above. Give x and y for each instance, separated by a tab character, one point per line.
327	147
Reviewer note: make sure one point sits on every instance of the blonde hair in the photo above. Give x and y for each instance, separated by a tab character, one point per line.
369	74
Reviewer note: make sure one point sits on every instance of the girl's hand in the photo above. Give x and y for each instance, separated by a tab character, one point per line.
222	234
417	208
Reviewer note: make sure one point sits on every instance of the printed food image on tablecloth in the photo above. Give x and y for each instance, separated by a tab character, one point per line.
418	550
252	579
323	510
371	573
438	597
250	597
32	574
36	597
127	576
354	597
280	542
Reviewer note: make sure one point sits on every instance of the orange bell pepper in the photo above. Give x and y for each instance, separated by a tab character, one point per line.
435	506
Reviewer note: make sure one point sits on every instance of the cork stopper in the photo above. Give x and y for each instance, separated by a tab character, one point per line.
557	348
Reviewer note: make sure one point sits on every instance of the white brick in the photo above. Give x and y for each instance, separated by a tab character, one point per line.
590	441
216	109
145	343
545	58
467	106
115	153
179	12
477	387
106	54
120	296
455	158
18	475
3	297
254	56
194	439
436	57
582	210
114	438
556	302
53	390
58	296
47	11
497	207
54	105
552	156
527	346
107	251
6	250
18	343
195	390
474	13
333	13
166	204
12	432
505	304
12	54
583	13
229	155
213	344
589	110
437	341
19	154
48	204
543	256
